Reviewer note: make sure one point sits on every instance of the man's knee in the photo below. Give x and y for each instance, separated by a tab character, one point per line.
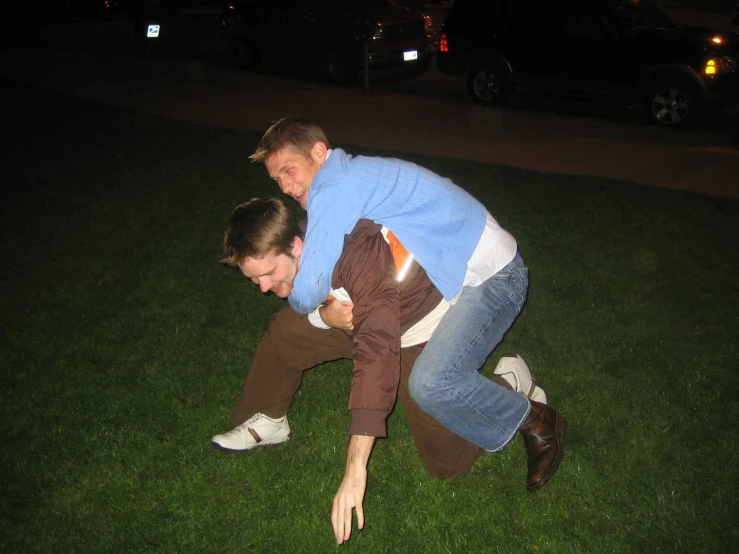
420	390
282	322
454	460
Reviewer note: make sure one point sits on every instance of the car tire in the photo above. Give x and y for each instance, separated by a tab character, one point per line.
671	102
246	54
488	83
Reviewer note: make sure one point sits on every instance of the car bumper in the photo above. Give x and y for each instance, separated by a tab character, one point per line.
449	64
723	90
397	58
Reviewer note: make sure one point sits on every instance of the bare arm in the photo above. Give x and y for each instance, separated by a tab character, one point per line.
353	485
367	273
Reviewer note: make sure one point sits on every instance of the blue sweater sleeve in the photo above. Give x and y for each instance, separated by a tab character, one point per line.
332	213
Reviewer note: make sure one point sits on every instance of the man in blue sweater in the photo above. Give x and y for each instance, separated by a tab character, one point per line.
396	310
473	262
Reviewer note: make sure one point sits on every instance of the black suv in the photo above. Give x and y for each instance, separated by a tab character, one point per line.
622	50
330	35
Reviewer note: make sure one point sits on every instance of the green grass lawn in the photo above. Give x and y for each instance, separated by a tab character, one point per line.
125	343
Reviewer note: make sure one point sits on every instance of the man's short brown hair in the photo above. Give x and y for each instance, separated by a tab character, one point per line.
295	133
258	227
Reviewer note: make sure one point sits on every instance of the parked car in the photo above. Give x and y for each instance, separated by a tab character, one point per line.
330	35
623	50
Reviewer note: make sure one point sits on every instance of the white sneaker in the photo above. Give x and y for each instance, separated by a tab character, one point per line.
514	369
255	431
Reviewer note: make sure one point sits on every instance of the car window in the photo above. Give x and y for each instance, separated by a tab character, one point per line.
280	5
350	4
585	25
630	14
486	15
303	6
540	15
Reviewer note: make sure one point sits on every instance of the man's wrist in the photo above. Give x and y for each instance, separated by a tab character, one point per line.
316	320
358	453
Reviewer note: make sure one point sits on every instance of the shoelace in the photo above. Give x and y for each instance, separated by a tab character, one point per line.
244	427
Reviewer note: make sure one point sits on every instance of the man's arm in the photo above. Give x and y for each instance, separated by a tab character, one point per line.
351	491
367	273
332	213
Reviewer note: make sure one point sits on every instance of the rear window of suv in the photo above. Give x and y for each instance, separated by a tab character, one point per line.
329	5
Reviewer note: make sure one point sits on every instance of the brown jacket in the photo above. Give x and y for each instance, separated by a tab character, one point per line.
383	310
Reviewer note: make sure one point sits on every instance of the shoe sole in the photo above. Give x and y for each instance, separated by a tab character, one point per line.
261	443
561	427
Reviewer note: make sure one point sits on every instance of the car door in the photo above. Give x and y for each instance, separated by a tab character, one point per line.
290	29
588	50
538	48
605	54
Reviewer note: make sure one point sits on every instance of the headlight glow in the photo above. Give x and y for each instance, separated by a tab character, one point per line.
714	66
727	64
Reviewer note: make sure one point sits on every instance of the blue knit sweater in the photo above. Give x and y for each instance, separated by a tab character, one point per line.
437	222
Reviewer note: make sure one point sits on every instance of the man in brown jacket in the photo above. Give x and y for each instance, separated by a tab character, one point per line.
392	319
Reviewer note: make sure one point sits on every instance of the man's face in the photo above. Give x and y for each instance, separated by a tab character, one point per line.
274	272
294	173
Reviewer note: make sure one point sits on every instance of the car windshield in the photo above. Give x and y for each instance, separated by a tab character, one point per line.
351	4
630	14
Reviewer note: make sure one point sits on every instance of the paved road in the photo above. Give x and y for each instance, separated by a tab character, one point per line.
203	90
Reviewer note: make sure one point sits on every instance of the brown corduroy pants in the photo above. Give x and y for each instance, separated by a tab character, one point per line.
290	344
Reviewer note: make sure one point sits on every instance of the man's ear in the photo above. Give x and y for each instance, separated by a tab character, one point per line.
318	153
297	247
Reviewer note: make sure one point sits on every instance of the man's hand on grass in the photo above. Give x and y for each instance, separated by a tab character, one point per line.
350	496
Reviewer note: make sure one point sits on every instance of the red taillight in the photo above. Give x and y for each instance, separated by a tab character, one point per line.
443	44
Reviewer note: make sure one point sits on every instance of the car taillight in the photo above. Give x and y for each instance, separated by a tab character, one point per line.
376	33
443	44
428	23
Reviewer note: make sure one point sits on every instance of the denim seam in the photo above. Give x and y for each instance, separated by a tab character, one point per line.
463	400
510	438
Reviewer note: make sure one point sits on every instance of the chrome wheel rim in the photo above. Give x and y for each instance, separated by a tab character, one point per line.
486	85
670	106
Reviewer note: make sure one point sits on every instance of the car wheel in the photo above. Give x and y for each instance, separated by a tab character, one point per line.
488	84
671	104
246	54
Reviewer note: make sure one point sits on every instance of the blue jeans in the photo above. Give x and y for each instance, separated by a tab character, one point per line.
446	383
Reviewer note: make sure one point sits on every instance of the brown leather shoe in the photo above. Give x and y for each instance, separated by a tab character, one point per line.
541	431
